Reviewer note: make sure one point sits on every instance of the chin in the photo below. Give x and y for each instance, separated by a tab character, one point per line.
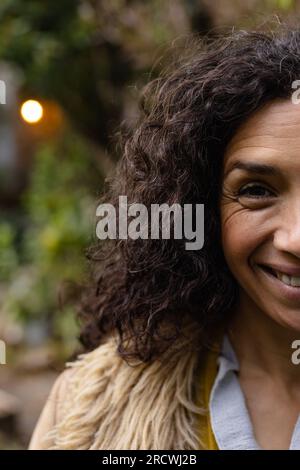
287	319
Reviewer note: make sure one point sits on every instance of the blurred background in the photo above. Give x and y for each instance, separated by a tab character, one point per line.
72	72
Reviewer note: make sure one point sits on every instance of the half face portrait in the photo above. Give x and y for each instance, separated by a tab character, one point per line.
221	130
149	227
260	210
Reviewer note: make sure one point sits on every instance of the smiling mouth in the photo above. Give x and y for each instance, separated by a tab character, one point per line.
291	281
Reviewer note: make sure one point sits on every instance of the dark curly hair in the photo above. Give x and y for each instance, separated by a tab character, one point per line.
142	288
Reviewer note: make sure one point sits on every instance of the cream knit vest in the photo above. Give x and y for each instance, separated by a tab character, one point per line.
109	404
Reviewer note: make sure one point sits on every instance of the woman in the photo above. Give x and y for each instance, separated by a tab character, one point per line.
210	331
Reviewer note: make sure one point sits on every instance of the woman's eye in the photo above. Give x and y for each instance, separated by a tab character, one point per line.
255	191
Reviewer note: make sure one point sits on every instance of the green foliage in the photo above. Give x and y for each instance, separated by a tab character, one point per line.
59	207
8	255
284	4
59	203
86	54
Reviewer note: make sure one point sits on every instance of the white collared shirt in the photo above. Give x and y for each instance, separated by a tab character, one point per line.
229	415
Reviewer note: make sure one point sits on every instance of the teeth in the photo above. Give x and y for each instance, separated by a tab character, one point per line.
288	280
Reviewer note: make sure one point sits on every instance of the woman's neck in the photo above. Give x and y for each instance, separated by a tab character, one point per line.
263	346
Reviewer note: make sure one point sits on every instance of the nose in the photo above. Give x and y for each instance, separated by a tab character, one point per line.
287	235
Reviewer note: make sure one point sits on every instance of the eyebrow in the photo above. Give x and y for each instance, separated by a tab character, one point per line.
251	167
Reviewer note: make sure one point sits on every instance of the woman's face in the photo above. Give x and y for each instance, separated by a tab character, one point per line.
260	211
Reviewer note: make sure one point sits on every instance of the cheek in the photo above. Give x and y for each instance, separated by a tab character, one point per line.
240	237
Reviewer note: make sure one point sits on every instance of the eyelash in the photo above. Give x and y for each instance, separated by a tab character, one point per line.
243	189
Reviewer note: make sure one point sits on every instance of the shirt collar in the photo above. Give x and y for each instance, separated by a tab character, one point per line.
228	413
229	416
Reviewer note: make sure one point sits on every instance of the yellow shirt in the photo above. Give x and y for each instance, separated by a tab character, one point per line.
209	373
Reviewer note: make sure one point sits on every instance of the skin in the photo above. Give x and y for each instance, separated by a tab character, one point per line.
265	230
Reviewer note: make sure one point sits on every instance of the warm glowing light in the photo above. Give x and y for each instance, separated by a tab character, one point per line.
32	111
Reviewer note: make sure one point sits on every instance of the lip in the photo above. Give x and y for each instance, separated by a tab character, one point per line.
282	290
284	269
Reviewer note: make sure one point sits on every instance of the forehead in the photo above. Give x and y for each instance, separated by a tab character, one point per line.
272	131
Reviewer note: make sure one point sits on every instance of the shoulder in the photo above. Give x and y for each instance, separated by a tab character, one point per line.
50	414
96	365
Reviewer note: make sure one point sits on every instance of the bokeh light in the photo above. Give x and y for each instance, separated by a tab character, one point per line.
32	111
